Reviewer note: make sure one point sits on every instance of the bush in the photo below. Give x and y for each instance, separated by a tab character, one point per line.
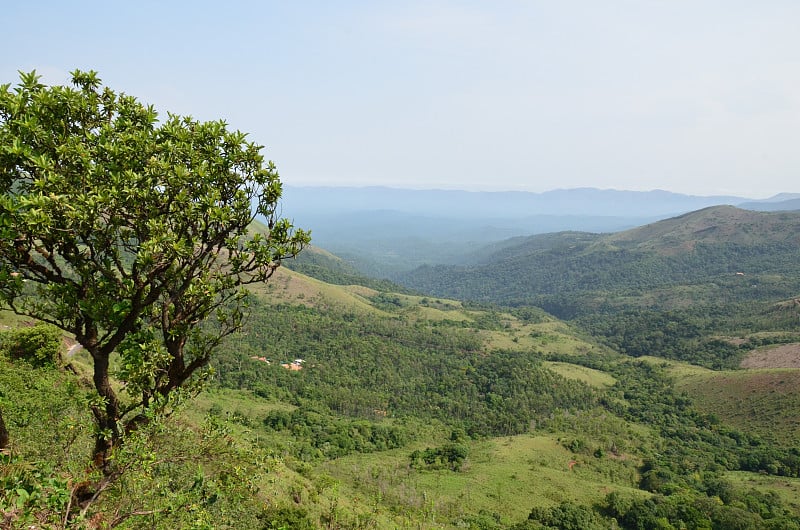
568	516
40	345
286	518
449	456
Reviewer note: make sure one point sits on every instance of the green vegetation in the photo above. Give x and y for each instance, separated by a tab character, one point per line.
448	456
39	345
127	233
374	366
762	403
324	436
591	377
395	420
343	402
675	289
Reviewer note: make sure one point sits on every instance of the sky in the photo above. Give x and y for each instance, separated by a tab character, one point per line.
692	96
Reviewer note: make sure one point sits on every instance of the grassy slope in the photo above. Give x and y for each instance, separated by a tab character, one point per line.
294	288
595	378
506	475
787	488
10	320
763	402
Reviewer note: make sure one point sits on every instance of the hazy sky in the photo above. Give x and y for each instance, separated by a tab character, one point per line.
694	96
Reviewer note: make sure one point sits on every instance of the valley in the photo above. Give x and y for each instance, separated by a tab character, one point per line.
573	380
447	265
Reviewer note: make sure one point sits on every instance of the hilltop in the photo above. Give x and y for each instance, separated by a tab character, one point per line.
700	248
714	226
385	231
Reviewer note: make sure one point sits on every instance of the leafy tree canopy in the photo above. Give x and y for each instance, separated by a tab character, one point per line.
129	232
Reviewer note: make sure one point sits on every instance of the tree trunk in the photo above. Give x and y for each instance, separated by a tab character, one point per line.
107	415
3	433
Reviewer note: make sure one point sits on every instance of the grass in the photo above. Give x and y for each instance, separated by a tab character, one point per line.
787	488
762	402
591	377
292	287
438	310
677	369
240	401
552	337
506	476
9	319
774	356
41	406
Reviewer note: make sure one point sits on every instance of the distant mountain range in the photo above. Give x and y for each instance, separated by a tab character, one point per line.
316	200
383	231
771	205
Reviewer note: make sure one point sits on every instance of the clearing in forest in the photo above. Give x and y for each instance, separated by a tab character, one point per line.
783	356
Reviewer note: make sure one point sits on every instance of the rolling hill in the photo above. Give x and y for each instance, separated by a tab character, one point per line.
409	411
429	368
421	411
688	287
383	231
704	249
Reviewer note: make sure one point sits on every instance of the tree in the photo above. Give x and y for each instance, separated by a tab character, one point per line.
132	234
568	516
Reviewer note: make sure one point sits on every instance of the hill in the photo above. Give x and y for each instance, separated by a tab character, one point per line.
713	226
701	247
407	411
383	231
670	288
456	204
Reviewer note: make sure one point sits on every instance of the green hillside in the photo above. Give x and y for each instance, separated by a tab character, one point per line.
676	288
761	402
714	225
179	367
573	273
408	412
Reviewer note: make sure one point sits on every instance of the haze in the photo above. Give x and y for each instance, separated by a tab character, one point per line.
694	97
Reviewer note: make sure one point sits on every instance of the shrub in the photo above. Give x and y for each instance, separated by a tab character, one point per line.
286	518
40	345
